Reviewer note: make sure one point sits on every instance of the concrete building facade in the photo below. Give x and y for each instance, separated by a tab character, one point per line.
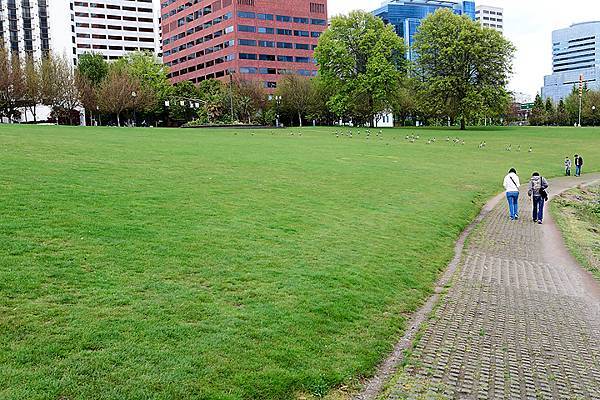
24	27
259	40
406	15
575	53
490	17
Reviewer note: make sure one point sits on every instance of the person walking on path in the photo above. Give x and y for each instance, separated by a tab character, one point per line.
511	184
537	190
578	164
567	166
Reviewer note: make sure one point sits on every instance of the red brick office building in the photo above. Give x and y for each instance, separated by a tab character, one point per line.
253	39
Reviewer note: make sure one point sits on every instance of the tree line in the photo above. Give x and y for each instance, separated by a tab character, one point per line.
566	112
459	75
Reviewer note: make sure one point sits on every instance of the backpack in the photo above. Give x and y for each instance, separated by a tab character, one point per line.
580	161
537	184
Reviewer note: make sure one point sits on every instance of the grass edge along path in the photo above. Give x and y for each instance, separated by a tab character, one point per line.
577	215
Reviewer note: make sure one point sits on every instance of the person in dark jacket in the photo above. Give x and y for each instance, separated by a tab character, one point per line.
537	189
578	164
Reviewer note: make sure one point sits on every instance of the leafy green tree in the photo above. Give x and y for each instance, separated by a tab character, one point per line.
319	109
92	67
550	113
182	102
250	99
215	98
464	67
572	106
152	76
296	95
562	117
538	112
362	60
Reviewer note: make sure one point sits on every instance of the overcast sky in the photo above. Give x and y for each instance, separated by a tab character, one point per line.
527	23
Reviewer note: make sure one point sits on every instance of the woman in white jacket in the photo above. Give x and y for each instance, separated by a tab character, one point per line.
511	184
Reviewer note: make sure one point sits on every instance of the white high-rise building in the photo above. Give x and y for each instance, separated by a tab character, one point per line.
24	27
112	28
490	17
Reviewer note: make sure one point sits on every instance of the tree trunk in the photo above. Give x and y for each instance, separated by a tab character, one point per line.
118	120
463	124
300	118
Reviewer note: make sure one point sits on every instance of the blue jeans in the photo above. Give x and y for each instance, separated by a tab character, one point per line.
577	170
538	208
513	203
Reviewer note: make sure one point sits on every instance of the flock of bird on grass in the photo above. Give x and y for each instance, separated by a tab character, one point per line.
409	138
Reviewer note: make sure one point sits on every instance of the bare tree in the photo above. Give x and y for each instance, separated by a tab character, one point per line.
33	86
250	98
297	93
116	93
88	93
68	99
12	85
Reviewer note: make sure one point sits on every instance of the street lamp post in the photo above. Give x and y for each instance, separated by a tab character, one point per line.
593	115
134	95
278	102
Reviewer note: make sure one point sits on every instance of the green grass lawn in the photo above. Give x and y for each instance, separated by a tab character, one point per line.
577	213
171	264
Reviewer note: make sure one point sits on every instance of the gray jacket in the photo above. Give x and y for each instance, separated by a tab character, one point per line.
535	183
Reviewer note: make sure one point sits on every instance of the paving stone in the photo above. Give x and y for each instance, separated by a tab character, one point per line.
513	324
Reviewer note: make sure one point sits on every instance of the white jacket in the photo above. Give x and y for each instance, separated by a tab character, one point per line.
509	185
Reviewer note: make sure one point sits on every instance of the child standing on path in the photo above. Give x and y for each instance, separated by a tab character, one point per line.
537	190
567	166
511	184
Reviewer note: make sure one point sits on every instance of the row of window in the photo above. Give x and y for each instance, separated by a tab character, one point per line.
217	5
565	53
279	45
573	62
118	48
492	12
586	55
281	18
261	71
272	57
200	40
115	38
200	53
272	31
113	7
573	68
114	27
276	71
198	28
492	19
113	17
200	66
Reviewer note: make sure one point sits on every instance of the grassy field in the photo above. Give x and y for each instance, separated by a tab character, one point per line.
169	264
577	213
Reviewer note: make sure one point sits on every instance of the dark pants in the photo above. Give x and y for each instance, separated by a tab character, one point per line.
538	208
568	171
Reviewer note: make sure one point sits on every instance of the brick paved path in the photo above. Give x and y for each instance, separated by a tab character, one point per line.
521	320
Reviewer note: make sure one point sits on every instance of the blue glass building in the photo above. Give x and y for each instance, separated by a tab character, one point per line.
406	15
575	52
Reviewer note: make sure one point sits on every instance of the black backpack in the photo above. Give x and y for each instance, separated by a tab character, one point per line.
580	161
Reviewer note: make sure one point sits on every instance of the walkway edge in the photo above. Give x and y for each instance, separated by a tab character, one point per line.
389	367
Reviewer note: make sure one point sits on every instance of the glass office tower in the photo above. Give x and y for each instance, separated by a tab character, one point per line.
575	52
406	15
